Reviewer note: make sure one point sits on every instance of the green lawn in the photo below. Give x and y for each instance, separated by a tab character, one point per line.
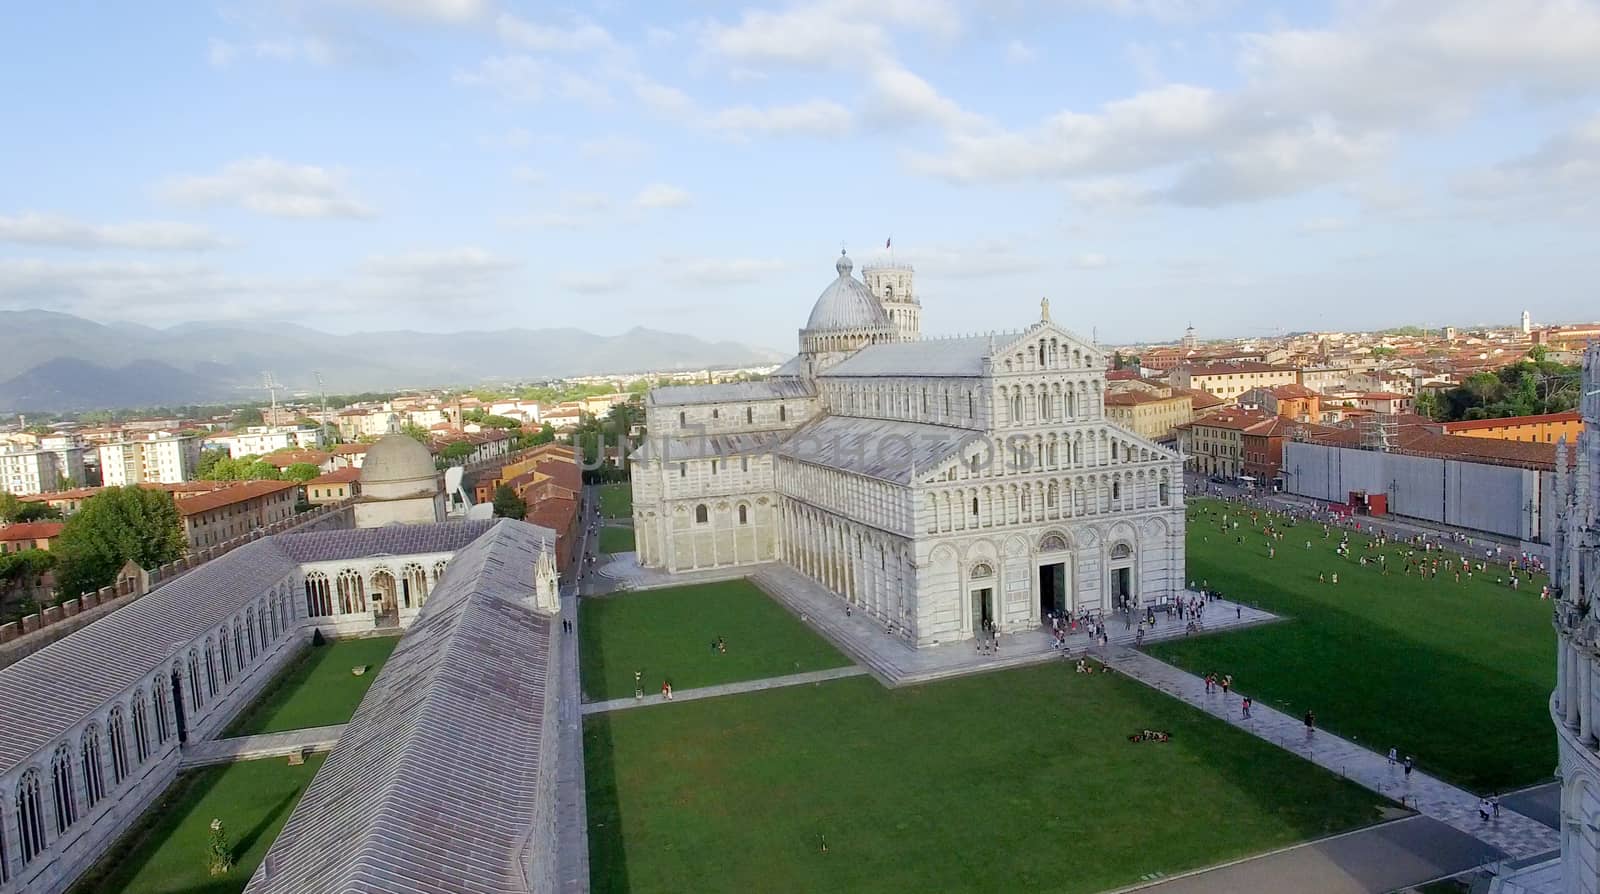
1020	780
616	500
616	540
165	852
668	633
317	689
1458	674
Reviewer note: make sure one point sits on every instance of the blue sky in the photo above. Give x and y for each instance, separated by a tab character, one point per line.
452	164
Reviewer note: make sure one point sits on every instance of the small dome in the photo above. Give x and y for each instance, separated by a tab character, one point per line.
396	458
846	303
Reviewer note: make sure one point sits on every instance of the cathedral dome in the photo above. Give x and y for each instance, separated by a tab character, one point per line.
846	303
397	466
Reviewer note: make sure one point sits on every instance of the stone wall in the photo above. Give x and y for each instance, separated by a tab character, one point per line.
34	632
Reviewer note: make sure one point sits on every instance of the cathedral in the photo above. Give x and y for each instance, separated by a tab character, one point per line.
946	487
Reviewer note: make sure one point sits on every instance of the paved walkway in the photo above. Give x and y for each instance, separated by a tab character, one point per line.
895	662
572	806
249	748
623	572
689	695
1512	833
1374	860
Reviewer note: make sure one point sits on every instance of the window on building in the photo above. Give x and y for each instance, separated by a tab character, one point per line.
744	463
744	516
1116	490
94	783
783	413
141	729
749	415
701	516
30	816
713	467
683	470
119	745
61	789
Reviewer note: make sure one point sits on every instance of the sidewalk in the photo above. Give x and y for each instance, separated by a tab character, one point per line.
689	695
895	662
1511	833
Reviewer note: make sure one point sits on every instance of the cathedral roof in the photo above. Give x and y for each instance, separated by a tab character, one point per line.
846	304
962	357
877	448
726	392
707	446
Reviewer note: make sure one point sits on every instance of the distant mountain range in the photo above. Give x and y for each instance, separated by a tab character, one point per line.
59	362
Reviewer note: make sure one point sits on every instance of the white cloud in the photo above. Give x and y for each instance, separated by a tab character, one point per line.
169	292
582	37
827	33
818	117
523	78
466	262
985	258
222	53
57	230
1562	175
452	12
269	186
661	195
899	96
1313	225
615	149
1019	53
516	138
527	175
1165	11
592	283
1276	164
714	272
1090	261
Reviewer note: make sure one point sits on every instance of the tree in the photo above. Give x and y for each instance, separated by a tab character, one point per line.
505	422
1384	351
208	462
507	504
415	432
32	512
112	527
1538	353
455	450
1428	403
18	570
247	416
301	472
9	507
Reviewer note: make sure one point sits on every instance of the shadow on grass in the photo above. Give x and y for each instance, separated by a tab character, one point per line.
267	699
250	838
608	853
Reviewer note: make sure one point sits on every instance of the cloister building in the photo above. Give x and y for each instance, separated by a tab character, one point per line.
94	724
944	486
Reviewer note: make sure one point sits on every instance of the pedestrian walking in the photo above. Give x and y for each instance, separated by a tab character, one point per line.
1410	764
1246	704
1311	721
666	690
1483	810
1394	756
638	685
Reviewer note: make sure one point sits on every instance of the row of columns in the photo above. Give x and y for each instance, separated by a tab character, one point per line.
1042	500
866	568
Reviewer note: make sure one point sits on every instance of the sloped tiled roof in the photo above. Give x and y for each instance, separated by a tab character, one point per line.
727	392
877	448
239	493
961	357
434	783
389	540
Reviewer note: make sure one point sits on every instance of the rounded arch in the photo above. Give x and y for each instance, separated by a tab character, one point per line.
319	595
1055	540
352	593
61	788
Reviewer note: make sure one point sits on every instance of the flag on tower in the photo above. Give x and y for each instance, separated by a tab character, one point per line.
888	242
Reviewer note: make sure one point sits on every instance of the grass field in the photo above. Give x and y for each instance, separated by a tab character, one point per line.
1020	780
317	689
165	852
616	540
1458	674
668	633
616	500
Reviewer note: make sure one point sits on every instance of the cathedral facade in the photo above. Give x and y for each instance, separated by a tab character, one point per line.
943	486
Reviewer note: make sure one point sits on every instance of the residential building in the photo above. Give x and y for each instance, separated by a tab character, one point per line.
163	459
1229	380
348	455
1295	402
69	450
331	487
25	471
283	459
222	515
261	439
1546	428
1153	414
1385	402
29	535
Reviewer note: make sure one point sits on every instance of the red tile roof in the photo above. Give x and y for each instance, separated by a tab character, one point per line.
1503	421
239	493
283	459
39	530
338	476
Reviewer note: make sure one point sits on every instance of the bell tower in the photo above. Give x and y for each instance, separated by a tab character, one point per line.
892	285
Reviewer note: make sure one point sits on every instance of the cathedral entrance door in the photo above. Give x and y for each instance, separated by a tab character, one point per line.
1052	589
982	610
1121	585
